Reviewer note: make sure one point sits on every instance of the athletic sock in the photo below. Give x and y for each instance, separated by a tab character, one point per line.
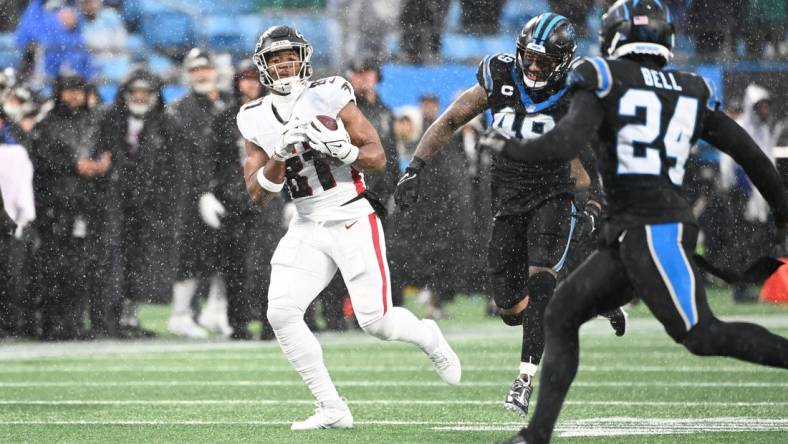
303	351
399	324
540	288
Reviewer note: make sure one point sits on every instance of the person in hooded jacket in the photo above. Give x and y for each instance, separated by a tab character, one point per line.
138	230
197	234
247	234
65	173
750	232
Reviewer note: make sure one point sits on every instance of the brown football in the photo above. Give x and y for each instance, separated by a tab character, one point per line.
328	122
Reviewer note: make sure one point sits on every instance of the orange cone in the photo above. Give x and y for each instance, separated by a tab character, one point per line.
775	288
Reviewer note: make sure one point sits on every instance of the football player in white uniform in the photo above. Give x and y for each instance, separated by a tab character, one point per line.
310	137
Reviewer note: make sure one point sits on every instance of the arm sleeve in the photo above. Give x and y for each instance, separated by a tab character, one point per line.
722	132
568	137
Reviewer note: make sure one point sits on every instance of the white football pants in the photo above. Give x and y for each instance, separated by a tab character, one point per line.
303	264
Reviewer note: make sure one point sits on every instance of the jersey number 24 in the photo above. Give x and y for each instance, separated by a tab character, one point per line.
645	136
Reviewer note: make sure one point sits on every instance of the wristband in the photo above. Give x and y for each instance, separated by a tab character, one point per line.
267	185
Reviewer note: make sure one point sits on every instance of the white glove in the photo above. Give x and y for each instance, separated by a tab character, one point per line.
291	135
335	143
211	210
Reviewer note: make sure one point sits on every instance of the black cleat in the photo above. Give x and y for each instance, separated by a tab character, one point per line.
618	320
519	397
516	439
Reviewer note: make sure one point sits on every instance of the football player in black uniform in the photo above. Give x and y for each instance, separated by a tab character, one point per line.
532	201
647	118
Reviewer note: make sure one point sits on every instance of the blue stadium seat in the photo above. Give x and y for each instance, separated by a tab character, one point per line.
168	29
159	64
114	69
222	33
171	93
108	92
516	13
463	47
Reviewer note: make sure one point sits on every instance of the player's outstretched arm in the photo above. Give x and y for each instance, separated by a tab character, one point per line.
264	176
569	136
470	104
371	156
724	133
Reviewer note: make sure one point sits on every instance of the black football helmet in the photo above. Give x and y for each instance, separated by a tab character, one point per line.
279	38
638	27
549	40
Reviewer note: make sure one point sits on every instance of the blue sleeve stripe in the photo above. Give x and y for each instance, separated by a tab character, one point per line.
546	34
713	101
487	75
557	267
626	11
603	76
539	26
664	244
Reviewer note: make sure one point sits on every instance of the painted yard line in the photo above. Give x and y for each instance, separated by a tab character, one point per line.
264	423
646	426
86	368
466	333
393	352
589	427
357	383
115	402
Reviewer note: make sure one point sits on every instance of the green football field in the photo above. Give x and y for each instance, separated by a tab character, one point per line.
641	388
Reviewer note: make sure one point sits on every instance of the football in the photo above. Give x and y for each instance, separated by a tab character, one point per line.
328	122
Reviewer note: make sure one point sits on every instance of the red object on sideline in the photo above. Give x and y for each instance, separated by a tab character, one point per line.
775	288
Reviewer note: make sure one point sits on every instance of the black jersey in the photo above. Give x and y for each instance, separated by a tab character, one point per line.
651	120
518	187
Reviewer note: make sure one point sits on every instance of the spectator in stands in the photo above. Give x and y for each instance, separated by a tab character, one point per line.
430	106
421	26
714	25
440	222
66	207
751	234
17	210
138	204
103	31
575	10
361	28
365	75
196	240
55	30
10	13
481	17
766	29
247	234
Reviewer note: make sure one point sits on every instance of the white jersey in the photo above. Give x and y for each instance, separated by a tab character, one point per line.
320	185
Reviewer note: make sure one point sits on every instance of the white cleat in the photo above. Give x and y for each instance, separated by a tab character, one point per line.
185	327
445	361
215	322
326	416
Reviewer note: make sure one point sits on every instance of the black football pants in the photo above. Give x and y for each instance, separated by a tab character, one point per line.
653	262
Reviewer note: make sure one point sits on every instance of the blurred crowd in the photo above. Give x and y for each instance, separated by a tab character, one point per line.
135	201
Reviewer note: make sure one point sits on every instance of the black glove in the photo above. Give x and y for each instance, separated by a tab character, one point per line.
587	222
407	192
